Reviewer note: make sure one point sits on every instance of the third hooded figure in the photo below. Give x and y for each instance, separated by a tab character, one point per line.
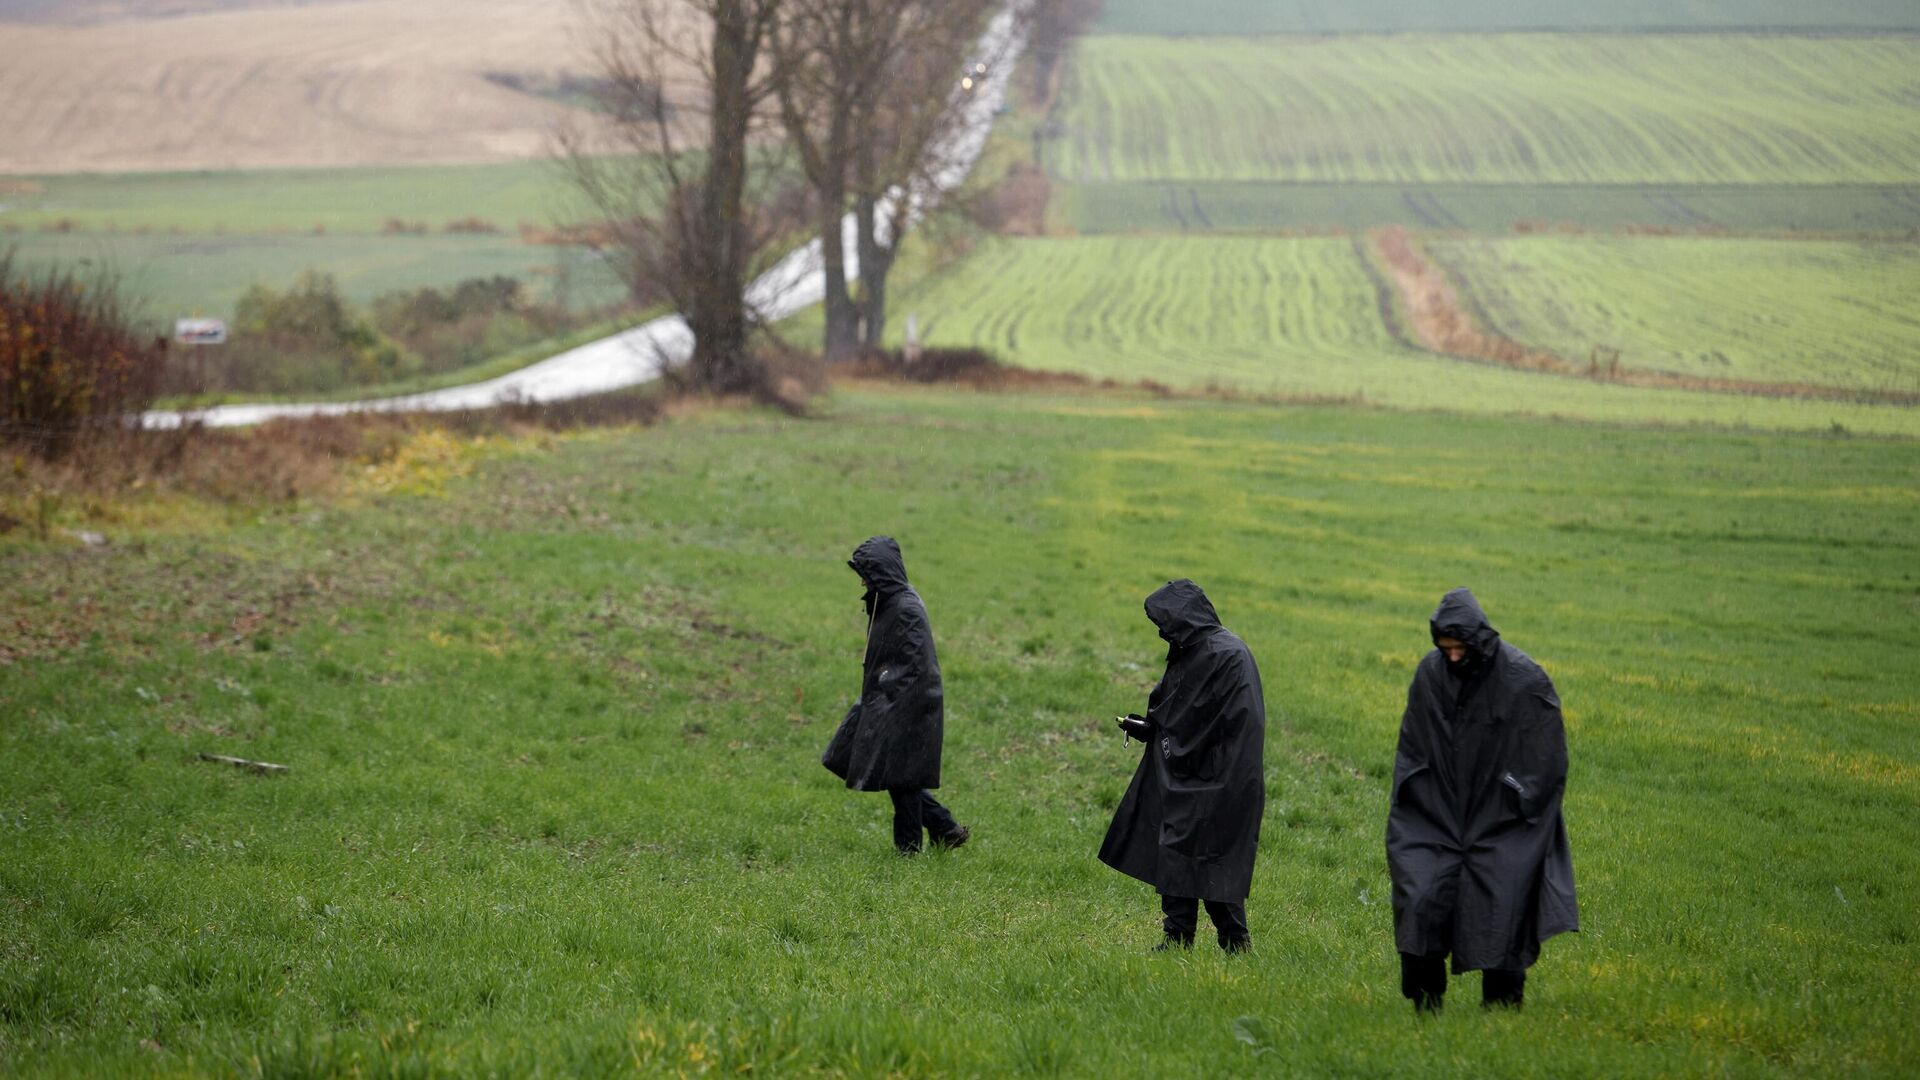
1482	873
1190	820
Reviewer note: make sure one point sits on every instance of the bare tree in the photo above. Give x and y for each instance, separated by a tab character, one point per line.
687	193
912	152
831	57
870	91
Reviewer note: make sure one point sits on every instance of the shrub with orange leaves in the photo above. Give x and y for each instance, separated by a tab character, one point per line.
71	357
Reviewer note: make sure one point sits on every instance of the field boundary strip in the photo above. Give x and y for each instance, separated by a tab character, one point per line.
1427	313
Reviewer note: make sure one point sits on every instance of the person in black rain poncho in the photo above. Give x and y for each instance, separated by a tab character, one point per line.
890	738
1190	819
1475	843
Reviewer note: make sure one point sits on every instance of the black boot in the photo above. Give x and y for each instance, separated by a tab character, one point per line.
1502	989
1174	941
954	839
1423	980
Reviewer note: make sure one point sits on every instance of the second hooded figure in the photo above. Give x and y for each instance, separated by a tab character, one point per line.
1190	820
890	738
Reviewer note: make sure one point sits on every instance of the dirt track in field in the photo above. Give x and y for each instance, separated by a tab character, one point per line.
330	83
1441	324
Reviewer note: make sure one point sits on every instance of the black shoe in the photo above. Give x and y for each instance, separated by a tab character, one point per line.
1236	945
954	839
1170	943
1427	1004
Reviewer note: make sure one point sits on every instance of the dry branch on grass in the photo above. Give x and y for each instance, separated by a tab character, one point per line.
263	768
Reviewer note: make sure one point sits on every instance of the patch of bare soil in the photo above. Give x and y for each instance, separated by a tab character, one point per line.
1017	205
1440	323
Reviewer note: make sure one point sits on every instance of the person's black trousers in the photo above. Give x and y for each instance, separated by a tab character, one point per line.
1423	980
915	810
1183	919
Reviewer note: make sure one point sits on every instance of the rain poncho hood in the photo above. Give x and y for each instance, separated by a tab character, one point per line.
1476	845
891	737
1460	618
1182	612
879	563
1190	820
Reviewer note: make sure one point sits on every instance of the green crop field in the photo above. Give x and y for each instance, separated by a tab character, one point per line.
1256	206
205	274
1399	16
1838	314
555	807
292	200
1502	109
1302	317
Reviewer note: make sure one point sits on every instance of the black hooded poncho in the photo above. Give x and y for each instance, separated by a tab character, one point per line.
1190	820
891	736
1475	843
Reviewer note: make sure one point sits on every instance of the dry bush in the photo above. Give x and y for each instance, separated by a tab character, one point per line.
790	379
975	368
472	225
277	462
71	360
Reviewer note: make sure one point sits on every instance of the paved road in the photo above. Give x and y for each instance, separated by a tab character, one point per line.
638	355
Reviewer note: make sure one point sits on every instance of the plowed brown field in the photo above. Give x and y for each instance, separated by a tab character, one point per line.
354	82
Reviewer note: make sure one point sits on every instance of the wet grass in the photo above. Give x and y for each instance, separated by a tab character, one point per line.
555	807
1492	109
1829	313
1310	317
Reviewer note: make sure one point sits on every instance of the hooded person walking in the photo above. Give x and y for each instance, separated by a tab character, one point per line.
1475	843
890	738
1190	820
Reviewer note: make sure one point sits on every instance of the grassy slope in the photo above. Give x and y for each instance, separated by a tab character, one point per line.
1373	16
1502	109
1287	316
556	808
1781	311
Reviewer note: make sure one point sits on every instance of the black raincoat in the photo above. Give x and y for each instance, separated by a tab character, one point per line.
891	737
1475	843
1190	820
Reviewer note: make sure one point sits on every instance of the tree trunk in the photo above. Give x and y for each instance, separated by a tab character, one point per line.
876	261
718	319
842	340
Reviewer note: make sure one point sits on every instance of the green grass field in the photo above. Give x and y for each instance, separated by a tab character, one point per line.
293	200
1839	314
1497	109
1255	17
555	806
205	274
1255	206
1289	316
